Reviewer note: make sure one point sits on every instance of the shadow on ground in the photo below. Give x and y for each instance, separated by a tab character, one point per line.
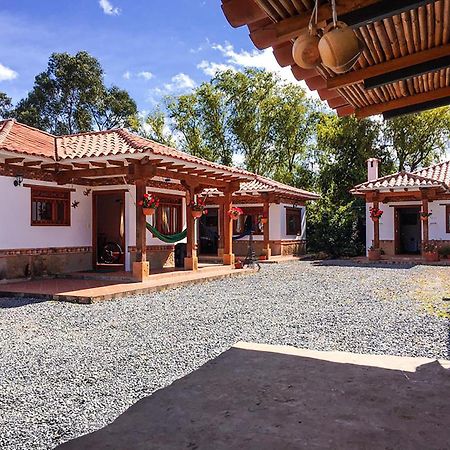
371	264
17	302
252	399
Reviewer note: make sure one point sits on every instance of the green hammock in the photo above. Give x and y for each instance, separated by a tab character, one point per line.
165	238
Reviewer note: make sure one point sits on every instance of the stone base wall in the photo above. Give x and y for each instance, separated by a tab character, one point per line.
36	263
388	247
159	256
278	248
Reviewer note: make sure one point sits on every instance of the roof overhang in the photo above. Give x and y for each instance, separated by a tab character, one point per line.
404	68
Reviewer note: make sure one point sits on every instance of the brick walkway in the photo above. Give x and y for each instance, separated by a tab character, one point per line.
82	290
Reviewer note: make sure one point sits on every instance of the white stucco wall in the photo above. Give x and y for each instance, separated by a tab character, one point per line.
16	231
437	220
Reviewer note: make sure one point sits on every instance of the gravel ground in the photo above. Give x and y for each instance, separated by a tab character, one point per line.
67	369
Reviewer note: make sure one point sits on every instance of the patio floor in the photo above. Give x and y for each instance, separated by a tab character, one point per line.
86	287
257	396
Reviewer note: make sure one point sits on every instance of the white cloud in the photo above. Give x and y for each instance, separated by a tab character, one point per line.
180	82
211	68
127	75
6	73
108	8
145	75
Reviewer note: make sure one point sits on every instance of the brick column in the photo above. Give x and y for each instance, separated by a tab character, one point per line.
376	227
191	260
266	230
227	222
141	268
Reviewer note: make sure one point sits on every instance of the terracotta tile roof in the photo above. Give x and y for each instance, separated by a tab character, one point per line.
262	185
437	175
19	138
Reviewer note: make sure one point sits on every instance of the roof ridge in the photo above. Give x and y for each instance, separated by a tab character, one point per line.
85	133
7	124
21	124
432	166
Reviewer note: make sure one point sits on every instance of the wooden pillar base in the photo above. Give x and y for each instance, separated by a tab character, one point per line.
191	263
220	252
141	270
228	259
267	252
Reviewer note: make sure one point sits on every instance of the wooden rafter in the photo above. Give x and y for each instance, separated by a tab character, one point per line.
392	65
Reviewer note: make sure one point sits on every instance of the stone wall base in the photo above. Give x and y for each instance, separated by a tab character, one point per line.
159	256
388	246
277	248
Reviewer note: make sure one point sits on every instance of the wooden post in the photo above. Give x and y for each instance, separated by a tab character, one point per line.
376	227
141	268
221	232
191	259
227	221
425	228
266	230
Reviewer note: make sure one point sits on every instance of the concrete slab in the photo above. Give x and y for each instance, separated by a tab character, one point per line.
269	397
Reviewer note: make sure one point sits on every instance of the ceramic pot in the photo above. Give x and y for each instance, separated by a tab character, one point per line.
148	211
305	50
374	255
197	214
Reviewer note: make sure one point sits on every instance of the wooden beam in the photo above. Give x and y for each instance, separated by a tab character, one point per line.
81	165
13	160
97	164
31	163
242	12
203	180
357	76
419	107
114	162
403	102
287	29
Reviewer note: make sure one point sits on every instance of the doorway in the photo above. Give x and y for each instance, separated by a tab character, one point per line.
208	228
108	228
408	231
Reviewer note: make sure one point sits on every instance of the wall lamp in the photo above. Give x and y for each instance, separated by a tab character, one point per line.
18	180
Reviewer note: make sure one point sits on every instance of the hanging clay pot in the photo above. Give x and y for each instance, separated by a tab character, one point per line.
305	50
196	214
148	211
339	47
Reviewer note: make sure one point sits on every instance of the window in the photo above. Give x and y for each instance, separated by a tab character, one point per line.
293	221
168	216
447	218
50	206
250	220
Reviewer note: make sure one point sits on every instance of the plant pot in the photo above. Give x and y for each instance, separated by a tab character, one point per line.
197	214
148	211
264	220
234	217
431	256
238	265
305	50
374	255
376	219
262	258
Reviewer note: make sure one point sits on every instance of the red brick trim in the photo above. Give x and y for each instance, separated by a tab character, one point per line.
288	242
43	251
153	248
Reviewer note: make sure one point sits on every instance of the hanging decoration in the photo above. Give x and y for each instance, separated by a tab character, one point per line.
75	204
235	212
87	191
336	46
198	208
375	213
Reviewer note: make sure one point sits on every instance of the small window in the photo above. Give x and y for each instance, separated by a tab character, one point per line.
168	216
249	221
50	207
293	221
447	217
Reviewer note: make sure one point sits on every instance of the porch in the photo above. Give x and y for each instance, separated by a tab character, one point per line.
87	287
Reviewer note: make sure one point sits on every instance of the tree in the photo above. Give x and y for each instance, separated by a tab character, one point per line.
154	127
5	105
70	97
418	140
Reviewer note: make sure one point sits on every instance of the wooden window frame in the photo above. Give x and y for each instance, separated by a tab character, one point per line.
173	203
291	211
253	211
447	218
37	193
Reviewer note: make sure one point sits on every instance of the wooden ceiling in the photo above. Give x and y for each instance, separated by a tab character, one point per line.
405	66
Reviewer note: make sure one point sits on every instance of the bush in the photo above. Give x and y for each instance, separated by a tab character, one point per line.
445	250
336	230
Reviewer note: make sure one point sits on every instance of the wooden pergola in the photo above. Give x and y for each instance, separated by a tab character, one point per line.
404	68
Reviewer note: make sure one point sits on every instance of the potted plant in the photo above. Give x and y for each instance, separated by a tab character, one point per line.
149	204
375	213
424	215
430	251
198	208
264	220
238	264
235	212
374	254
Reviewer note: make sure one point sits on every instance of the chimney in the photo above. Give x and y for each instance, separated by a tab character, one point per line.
372	169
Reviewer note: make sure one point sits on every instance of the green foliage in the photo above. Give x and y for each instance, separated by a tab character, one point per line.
5	105
154	127
70	97
336	230
418	140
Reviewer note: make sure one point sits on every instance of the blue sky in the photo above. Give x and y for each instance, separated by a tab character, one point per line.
149	47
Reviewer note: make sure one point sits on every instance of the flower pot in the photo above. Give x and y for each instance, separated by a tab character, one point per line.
148	211
262	257
374	255
305	50
233	217
431	256
238	265
197	214
376	219
264	220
